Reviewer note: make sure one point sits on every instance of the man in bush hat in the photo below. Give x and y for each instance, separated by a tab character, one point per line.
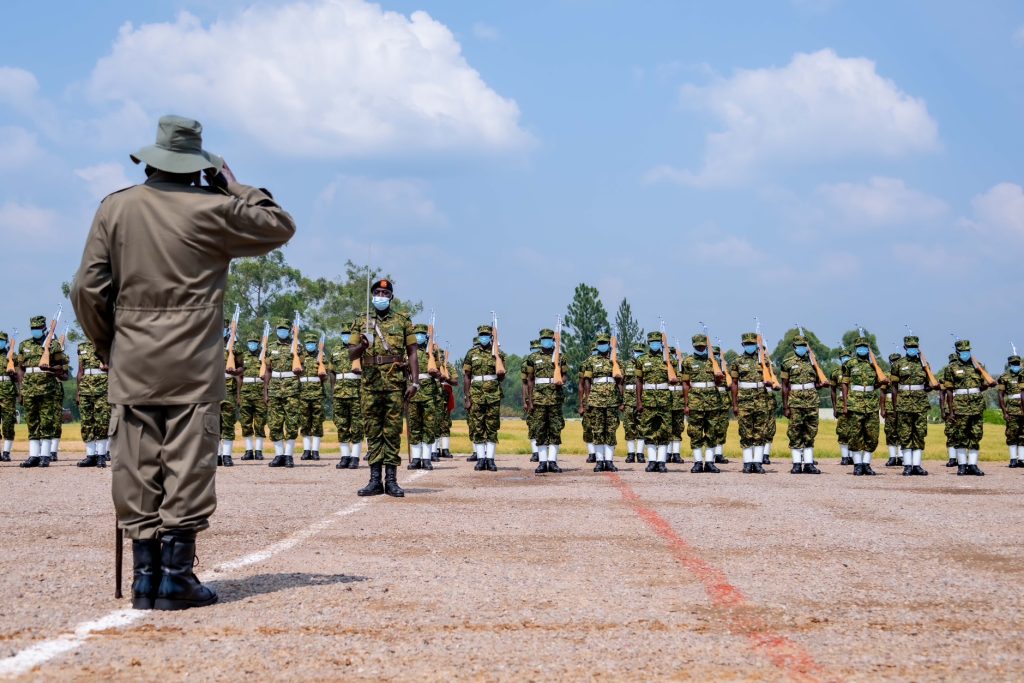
149	294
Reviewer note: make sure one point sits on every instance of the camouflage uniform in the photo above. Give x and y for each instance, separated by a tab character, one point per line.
702	402
58	409
842	420
348	414
479	366
630	418
964	385
947	424
602	403
228	411
587	420
861	390
252	408
909	382
423	406
470	415
546	400
38	389
800	397
656	404
891	426
8	400
678	423
720	418
93	406
530	416
283	405
1011	384
447	402
312	391
752	413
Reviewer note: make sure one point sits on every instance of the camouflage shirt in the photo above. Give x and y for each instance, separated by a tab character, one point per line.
250	364
1011	385
650	369
397	331
800	371
603	394
699	371
964	376
541	365
430	388
910	372
747	370
678	402
30	352
341	365
91	384
310	385
279	359
629	374
861	373
479	362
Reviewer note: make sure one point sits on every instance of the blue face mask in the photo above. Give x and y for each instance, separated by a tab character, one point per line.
603	348
282	333
655	346
381	303
37	334
345	338
1015	369
637	354
3	346
843	359
913	352
547	344
700	353
484	339
253	347
310	347
801	351
862	351
750	349
421	338
965	356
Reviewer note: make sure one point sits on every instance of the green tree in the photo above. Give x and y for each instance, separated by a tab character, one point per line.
585	318
627	330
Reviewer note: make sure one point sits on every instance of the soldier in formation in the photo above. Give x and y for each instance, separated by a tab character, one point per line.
531	420
842	420
749	405
1011	384
8	400
93	405
909	386
445	407
229	406
630	418
311	398
423	413
348	413
800	405
720	420
602	398
962	385
281	388
252	406
678	420
654	403
862	388
482	386
40	384
545	398
701	403
891	426
585	420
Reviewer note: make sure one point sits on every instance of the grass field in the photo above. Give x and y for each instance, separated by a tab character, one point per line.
513	440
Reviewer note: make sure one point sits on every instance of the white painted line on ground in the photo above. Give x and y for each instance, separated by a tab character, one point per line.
40	653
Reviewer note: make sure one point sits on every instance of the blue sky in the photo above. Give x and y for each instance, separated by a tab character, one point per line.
822	161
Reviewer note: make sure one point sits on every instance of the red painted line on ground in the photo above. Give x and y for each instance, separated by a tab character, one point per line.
782	652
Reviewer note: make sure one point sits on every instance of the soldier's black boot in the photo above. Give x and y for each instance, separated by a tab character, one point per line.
710	468
858	470
44	461
891	462
1013	463
975	470
868	471
899	461
306	455
493	467
609	466
846	460
220	461
908	470
53	456
179	587
435	456
248	455
919	471
591	458
289	461
961	470
426	464
228	462
599	467
951	462
5	456
353	463
811	468
472	458
552	467
747	468
87	461
375	486
721	459
536	458
541	468
797	468
757	468
765	460
481	465
343	463
277	461
641	458
698	468
315	455
145	572
663	467
101	462
630	457
259	454
414	464
391	486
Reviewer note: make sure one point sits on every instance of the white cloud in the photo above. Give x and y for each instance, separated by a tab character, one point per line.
999	212
326	78
729	248
396	204
18	88
818	108
102	179
485	32
18	148
881	202
24	223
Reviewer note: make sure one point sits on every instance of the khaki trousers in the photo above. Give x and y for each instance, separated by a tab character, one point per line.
164	463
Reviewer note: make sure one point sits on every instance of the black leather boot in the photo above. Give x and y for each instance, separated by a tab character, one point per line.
314	455
491	465
53	456
748	468
541	468
599	467
426	464
721	459
919	471
757	468
5	456
481	465
414	464
391	486
536	458
846	460
908	470
289	461
278	461
472	458
797	468
146	572
374	487
641	458
179	587
101	462
552	467
435	456
961	470
975	470
630	457
698	468
220	460
858	470
891	462
306	455
44	461
228	462
353	463
259	455
248	455
343	463
709	467
951	462
591	458
868	471
88	461
609	466
811	468
899	461
765	460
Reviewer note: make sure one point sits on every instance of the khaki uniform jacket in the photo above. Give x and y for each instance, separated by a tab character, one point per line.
149	292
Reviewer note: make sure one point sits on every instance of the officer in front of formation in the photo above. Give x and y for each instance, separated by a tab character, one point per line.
39	385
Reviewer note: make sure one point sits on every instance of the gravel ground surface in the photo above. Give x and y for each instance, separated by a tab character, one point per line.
513	576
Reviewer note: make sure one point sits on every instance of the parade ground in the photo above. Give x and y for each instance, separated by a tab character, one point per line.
514	576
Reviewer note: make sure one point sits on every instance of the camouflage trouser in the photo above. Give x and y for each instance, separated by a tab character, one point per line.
843	429
445	427
588	427
95	412
283	417
252	413
58	409
422	416
228	416
7	415
311	416
486	421
967	431
630	422
892	429
864	431
382	422
470	423
772	424
549	424
720	426
912	428
678	423
803	427
348	419
701	428
947	431
604	422
531	423
754	422
41	415
656	425
1015	430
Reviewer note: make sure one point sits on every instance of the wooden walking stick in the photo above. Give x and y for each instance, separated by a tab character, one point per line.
118	559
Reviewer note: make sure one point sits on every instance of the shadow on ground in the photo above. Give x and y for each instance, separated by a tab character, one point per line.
233	590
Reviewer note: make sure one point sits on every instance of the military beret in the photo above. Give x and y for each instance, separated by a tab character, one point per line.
653	336
484	329
547	333
910	341
37	321
799	340
893	357
310	337
604	338
963	345
639	347
748	338
420	328
862	341
383	284
1013	359
699	340
284	322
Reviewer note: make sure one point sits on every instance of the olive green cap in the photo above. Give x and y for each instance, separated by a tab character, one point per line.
484	329
547	333
420	328
639	347
535	344
604	338
799	340
748	338
653	336
37	321
893	357
1013	359
963	345
911	341
699	340
283	322
310	337
862	341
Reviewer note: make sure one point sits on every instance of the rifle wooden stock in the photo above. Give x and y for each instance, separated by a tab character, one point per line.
767	372
715	367
984	373
499	364
725	371
880	376
557	357
10	355
673	378
296	361
616	368
44	362
231	364
933	382
822	380
263	357
321	369
431	351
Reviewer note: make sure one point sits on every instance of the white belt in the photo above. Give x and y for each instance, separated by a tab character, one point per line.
346	375
702	385
282	375
722	390
630	387
964	392
5	378
801	387
911	387
95	371
603	380
1014	396
485	378
423	376
675	387
228	375
751	385
543	380
309	379
861	388
653	387
251	380
32	371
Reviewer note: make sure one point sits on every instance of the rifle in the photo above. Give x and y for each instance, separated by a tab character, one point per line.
263	348
725	367
445	375
616	368
44	362
672	377
767	372
431	349
822	380
296	361
231	363
880	376
499	364
715	367
10	352
320	369
63	336
557	356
